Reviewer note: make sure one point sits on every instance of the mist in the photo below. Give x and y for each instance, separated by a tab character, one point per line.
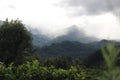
72	33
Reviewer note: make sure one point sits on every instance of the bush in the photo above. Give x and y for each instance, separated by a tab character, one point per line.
33	71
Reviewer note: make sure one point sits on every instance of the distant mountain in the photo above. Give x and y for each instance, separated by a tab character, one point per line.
75	43
67	48
103	43
75	34
74	49
40	40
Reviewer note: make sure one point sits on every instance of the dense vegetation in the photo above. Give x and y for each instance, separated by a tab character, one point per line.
36	71
33	71
67	48
17	61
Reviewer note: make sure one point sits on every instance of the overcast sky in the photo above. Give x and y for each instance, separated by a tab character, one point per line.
98	18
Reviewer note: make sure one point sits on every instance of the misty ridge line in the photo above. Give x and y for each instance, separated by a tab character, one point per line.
72	33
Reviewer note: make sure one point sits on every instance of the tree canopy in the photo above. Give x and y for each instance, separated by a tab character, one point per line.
15	40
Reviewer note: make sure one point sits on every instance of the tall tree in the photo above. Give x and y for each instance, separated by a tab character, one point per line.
15	40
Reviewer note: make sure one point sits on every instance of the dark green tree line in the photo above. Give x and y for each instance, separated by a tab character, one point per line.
15	41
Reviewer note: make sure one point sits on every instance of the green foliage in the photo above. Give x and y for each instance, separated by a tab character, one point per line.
110	54
63	62
15	40
67	48
33	71
94	60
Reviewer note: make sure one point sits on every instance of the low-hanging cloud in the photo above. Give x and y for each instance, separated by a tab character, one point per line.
93	7
74	33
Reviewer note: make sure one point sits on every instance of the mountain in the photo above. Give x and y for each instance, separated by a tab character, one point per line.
103	43
67	48
90	51
74	33
74	43
40	40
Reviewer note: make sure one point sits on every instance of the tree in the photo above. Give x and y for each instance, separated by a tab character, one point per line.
15	40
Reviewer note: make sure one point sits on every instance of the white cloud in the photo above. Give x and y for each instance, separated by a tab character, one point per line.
48	16
92	7
105	26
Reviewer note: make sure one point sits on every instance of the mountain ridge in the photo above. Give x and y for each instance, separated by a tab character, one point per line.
73	33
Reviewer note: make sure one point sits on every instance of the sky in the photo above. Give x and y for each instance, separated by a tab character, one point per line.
99	18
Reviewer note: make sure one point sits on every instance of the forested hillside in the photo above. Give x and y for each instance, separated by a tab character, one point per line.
67	48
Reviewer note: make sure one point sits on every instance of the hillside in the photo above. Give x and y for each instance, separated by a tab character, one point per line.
40	40
67	48
96	59
73	33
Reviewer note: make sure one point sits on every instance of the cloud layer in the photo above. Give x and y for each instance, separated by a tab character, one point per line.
92	6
